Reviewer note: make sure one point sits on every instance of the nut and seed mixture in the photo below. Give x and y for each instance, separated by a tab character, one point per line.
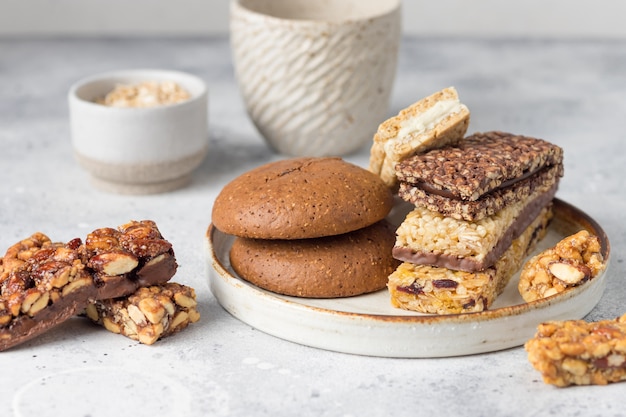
575	352
38	273
145	94
571	262
20	252
438	290
43	283
151	313
479	164
137	246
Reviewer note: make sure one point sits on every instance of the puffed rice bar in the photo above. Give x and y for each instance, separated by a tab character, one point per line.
427	237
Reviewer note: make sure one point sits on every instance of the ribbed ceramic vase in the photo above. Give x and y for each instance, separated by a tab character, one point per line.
316	76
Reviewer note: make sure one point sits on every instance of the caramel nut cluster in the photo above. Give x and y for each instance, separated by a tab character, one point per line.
575	352
43	283
572	261
149	314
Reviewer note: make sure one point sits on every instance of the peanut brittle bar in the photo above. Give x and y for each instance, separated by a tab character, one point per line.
43	284
438	290
149	314
575	352
572	261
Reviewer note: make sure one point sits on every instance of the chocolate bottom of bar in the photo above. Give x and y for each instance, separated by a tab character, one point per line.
487	205
436	290
479	261
25	327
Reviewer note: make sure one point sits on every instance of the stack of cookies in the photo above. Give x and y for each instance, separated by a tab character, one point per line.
309	227
481	203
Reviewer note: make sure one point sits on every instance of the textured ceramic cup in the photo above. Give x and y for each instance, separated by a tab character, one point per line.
316	76
139	150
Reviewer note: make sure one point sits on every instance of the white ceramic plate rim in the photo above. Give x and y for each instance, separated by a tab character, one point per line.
405	334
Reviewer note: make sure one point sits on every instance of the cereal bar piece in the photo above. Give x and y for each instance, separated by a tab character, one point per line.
575	352
487	205
479	164
432	122
439	290
427	237
151	313
46	283
571	262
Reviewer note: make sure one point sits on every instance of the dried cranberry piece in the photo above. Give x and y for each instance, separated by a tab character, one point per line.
445	283
414	288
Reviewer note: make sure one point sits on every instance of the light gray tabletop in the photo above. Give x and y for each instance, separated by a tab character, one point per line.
572	93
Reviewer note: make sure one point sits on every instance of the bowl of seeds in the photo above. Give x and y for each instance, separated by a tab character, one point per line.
139	131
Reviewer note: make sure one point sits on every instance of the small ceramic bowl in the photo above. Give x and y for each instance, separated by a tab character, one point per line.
139	150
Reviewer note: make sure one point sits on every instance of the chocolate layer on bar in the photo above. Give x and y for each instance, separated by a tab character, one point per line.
46	283
429	238
478	165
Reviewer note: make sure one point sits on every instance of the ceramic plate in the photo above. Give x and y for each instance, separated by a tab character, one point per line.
369	325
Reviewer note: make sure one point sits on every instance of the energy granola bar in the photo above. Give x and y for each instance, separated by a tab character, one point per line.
43	284
438	290
427	237
487	205
432	122
575	352
149	314
479	164
572	261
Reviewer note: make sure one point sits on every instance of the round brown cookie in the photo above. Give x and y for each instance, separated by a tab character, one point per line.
350	264
301	198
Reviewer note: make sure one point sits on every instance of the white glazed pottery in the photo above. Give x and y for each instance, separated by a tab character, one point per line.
369	325
316	76
138	150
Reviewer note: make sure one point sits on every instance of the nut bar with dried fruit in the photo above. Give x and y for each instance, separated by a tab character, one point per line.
149	314
44	283
572	261
575	352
